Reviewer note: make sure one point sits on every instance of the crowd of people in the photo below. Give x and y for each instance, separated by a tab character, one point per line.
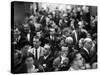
55	41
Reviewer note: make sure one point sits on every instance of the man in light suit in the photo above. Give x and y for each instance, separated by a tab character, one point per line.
37	50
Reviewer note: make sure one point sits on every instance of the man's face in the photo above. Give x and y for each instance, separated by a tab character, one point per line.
89	45
79	60
46	51
39	34
25	49
67	34
26	28
52	32
36	42
49	16
29	61
16	33
31	22
50	22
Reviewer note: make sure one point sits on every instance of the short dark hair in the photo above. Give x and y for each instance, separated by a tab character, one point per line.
36	37
72	56
24	43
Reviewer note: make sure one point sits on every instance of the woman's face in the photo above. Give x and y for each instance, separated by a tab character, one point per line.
36	43
79	60
29	61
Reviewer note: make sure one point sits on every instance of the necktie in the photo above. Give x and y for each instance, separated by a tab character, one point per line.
36	55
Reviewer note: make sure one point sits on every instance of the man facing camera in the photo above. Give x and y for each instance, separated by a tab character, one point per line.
37	50
47	59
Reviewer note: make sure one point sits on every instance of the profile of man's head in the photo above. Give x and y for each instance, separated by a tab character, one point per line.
88	43
46	49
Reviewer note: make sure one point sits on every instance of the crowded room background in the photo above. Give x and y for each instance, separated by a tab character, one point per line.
53	37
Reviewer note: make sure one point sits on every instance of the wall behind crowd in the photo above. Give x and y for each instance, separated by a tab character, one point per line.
21	9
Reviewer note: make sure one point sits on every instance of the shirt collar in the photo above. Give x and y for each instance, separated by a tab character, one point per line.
86	50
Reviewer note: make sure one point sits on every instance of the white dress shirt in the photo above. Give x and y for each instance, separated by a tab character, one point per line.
39	52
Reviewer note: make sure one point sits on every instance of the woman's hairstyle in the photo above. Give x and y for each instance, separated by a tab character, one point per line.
72	56
27	56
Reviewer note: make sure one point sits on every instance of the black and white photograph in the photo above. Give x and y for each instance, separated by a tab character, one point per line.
52	37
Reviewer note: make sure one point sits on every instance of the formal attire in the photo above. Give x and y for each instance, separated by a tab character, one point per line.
85	54
28	36
37	52
42	21
47	62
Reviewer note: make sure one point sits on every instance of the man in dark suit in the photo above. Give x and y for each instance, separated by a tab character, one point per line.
85	52
17	39
41	36
42	19
27	33
78	32
52	40
47	59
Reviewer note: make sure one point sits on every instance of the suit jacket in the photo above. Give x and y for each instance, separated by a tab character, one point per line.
48	62
85	55
60	62
75	35
40	52
43	41
42	21
18	44
28	38
54	43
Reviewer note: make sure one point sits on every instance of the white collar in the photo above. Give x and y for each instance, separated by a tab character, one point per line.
45	57
86	50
